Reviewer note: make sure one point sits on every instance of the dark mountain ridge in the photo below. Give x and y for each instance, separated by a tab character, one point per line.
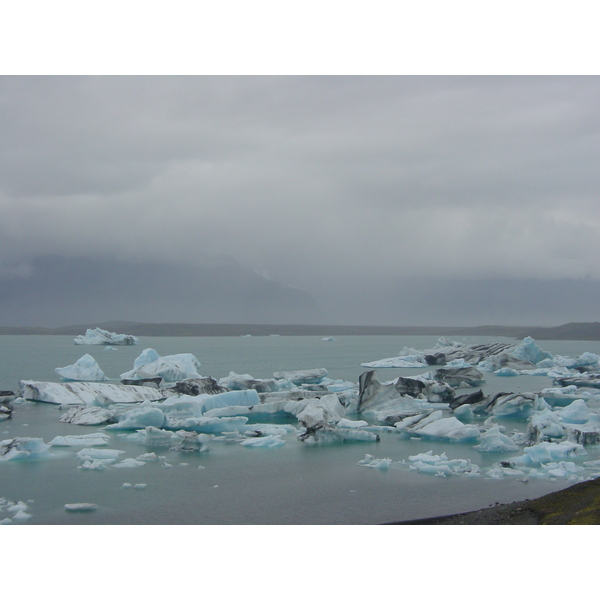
568	331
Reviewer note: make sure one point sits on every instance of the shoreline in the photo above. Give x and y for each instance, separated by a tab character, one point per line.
569	331
578	504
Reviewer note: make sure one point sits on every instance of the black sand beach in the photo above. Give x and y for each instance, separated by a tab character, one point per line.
576	505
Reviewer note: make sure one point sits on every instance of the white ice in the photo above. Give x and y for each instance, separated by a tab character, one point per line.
101	337
85	369
90	439
80	392
23	447
175	367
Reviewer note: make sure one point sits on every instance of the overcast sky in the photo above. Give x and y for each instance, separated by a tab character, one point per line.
356	189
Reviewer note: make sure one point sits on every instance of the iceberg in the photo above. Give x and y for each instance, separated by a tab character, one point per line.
140	418
546	452
375	463
80	507
176	367
90	393
493	440
90	439
22	447
98	454
447	429
460	377
268	441
85	369
488	357
301	377
441	466
101	337
246	382
88	415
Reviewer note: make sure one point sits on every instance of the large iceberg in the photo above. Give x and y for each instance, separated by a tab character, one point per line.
79	392
489	357
101	337
85	369
176	367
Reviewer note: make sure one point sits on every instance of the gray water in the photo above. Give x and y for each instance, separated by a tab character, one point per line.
231	484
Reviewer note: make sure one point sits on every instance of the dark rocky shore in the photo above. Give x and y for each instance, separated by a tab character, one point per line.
576	505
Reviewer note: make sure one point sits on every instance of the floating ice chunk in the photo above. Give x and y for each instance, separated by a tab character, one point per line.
506	372
546	425
85	369
565	395
80	507
396	362
246	382
261	429
97	465
90	439
176	367
528	350
498	472
190	441
464	412
234	398
269	441
440	466
152	436
447	428
140	418
375	463
546	452
140	486
576	412
328	339
88	415
516	405
21	516
147	457
23	447
349	424
561	469
302	376
90	393
101	337
215	425
460	377
493	440
316	411
128	463
98	453
329	434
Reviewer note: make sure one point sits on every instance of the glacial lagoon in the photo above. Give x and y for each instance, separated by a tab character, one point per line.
293	482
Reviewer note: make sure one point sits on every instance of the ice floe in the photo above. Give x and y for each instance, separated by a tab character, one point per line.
175	367
101	337
79	392
85	369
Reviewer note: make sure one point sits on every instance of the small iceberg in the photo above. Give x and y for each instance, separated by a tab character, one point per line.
101	337
85	369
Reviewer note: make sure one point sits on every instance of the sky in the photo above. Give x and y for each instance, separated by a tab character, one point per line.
428	165
375	194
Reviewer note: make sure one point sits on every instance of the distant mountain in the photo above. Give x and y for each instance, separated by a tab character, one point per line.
85	290
570	331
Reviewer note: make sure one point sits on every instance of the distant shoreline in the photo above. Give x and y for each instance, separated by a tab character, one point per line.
569	331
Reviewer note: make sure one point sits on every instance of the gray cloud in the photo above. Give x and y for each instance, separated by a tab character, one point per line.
343	186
